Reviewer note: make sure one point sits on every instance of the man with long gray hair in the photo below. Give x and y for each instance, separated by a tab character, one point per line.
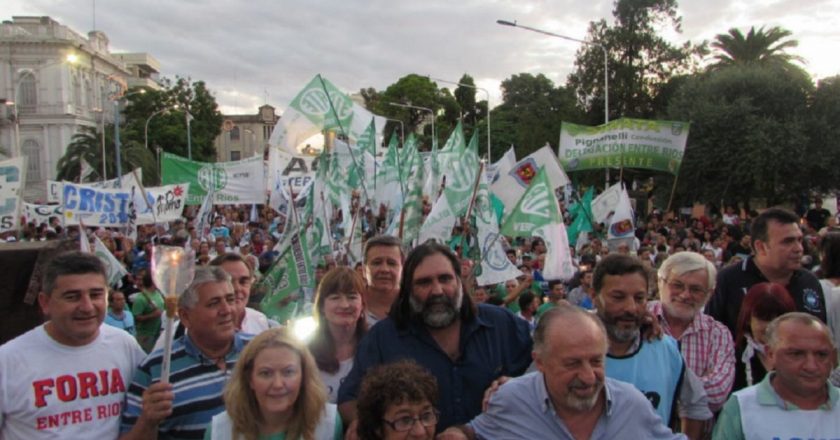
466	347
183	405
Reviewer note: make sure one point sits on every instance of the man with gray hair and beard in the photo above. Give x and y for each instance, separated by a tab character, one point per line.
569	396
465	346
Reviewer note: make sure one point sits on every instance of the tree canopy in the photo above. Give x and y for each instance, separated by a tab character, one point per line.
757	47
640	61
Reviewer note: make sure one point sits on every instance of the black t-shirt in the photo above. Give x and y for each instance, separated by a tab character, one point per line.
735	280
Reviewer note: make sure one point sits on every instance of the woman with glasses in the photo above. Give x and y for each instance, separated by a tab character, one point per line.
275	393
339	311
397	401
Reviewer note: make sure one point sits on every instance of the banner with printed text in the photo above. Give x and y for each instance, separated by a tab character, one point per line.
128	180
12	177
233	182
163	204
631	143
41	213
96	206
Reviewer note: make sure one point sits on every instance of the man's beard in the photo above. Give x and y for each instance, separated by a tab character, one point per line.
578	403
437	311
619	334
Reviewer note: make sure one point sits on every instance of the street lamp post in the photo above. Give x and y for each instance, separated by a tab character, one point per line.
488	106
591	43
402	129
434	136
189	134
149	119
117	97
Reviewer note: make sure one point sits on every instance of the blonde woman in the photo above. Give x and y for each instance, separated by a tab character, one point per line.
275	393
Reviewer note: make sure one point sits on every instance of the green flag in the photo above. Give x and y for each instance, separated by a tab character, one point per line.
286	286
581	213
412	215
461	174
537	208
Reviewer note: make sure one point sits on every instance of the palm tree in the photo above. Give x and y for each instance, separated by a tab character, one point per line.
87	144
758	47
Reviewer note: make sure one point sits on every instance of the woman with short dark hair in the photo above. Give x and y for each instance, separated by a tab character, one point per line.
397	401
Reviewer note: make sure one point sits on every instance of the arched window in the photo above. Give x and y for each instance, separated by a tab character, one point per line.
27	92
234	134
32	151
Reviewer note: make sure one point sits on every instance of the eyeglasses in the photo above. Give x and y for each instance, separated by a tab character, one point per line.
678	287
404	424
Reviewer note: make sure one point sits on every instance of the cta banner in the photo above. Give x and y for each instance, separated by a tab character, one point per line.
232	182
631	143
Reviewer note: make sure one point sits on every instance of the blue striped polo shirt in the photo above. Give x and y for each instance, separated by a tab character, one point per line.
197	382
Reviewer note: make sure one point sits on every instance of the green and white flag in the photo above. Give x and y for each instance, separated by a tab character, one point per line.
461	173
537	207
412	215
389	187
287	285
630	143
310	113
232	183
538	214
495	266
113	267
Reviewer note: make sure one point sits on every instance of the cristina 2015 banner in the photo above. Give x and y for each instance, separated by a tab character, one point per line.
631	143
232	182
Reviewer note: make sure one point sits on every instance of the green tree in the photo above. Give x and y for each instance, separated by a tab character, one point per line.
824	130
748	138
169	130
530	114
758	47
418	91
640	60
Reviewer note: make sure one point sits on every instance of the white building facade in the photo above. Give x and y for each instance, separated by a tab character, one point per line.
53	82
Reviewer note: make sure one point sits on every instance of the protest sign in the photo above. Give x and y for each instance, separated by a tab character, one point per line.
163	204
233	183
96	206
632	143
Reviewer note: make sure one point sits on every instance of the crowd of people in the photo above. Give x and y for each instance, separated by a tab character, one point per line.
711	327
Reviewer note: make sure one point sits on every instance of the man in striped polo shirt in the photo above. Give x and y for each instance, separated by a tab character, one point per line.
182	406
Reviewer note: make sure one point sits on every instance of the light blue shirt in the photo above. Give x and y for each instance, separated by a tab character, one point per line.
522	409
126	322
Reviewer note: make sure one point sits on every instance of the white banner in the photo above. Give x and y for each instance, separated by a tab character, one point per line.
12	177
509	187
163	204
606	203
113	266
127	182
96	206
41	213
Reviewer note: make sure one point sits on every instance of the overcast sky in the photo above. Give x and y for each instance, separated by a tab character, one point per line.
244	50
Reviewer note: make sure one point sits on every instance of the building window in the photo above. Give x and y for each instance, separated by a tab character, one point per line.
32	151
77	90
235	155
267	131
27	92
234	134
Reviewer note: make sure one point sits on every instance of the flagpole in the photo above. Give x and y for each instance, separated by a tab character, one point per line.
327	219
344	134
673	190
469	208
